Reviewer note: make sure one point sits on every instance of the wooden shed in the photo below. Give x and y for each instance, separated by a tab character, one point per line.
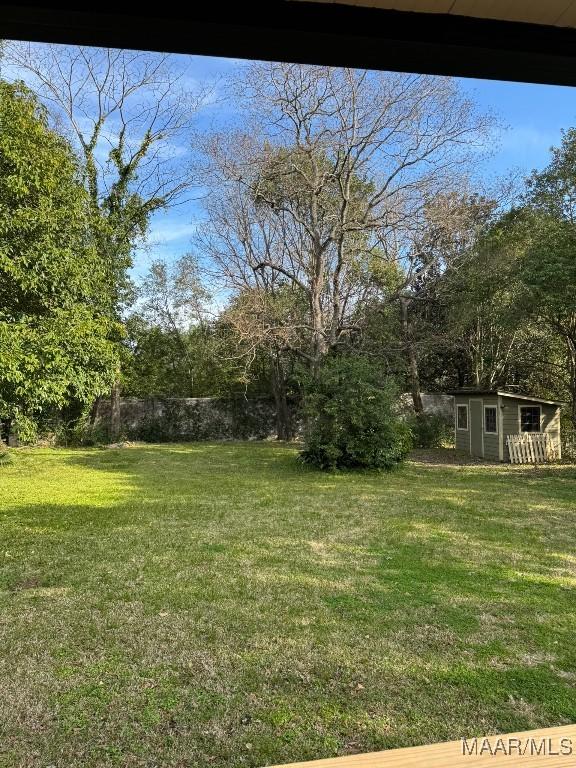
484	419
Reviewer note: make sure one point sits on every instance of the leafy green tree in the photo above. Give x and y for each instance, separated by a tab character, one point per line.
174	347
493	332
352	419
548	277
548	269
479	294
57	339
416	324
511	305
155	366
126	112
532	251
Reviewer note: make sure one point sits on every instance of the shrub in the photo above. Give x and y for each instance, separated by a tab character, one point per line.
6	457
351	418
25	428
430	430
568	439
86	434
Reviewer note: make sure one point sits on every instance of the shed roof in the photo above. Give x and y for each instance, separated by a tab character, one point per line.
503	393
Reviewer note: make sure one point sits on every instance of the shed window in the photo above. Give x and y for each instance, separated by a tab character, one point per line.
529	418
490	421
462	416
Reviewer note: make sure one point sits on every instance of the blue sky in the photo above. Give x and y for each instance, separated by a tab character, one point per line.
532	116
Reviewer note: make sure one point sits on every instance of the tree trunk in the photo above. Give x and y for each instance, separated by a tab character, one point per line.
415	382
413	374
94	411
571	344
5	431
319	346
319	341
115	412
284	430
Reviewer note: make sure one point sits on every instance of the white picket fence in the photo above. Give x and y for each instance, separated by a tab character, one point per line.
531	448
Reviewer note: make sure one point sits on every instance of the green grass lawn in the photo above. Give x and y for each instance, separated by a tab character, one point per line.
220	605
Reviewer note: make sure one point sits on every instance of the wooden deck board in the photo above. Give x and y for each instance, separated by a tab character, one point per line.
450	754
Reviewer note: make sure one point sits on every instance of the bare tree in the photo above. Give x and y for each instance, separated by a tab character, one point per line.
128	114
266	311
333	172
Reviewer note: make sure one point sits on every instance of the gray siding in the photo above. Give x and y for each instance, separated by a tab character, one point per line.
491	441
550	420
462	438
507	423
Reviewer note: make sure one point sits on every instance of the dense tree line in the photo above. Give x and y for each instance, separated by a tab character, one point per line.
342	221
58	340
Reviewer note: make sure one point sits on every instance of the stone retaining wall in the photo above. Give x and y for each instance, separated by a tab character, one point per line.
157	419
191	418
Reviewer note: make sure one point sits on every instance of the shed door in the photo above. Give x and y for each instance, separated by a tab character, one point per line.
476	442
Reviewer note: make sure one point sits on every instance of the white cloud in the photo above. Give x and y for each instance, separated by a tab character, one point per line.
167	231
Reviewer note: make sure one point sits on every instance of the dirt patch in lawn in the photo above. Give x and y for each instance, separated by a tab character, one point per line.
446	456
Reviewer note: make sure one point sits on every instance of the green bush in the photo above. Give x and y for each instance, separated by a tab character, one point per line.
89	435
430	430
351	418
568	440
77	432
25	428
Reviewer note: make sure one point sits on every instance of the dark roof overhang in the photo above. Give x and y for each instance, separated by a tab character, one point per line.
310	32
